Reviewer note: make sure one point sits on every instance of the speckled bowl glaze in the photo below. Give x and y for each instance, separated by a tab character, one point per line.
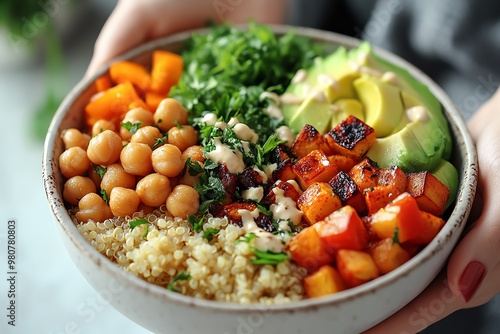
351	311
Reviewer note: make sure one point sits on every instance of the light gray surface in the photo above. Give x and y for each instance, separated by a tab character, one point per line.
52	296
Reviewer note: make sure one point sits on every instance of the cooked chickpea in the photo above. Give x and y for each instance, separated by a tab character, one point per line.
104	149
116	176
93	207
77	187
182	136
92	174
146	209
73	162
167	160
73	137
153	189
147	135
136	159
136	115
168	113
101	126
194	152
183	201
123	202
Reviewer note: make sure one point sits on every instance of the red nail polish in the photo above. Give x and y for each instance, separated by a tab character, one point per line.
471	279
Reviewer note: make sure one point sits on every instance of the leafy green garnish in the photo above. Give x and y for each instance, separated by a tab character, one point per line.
160	141
196	223
140	221
193	168
104	195
209	233
211	190
395	238
177	124
99	170
131	127
145	234
180	277
246	238
269	257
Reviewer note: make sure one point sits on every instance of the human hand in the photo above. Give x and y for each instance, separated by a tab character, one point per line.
134	22
473	271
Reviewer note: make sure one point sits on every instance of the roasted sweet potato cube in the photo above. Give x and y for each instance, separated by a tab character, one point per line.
392	176
343	163
356	267
351	137
365	174
348	191
325	281
290	189
342	229
308	140
281	152
318	201
307	250
430	193
432	226
314	167
388	255
379	196
284	170
402	213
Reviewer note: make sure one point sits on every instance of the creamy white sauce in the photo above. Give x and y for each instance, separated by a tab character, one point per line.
417	114
233	121
300	76
270	95
261	173
285	208
253	193
243	132
269	169
326	80
245	145
289	98
365	69
295	185
284	133
96	96
335	108
306	89
221	125
318	95
209	119
390	77
224	154
273	111
264	241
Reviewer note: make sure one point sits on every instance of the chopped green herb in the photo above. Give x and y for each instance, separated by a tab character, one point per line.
194	168
209	233
140	221
146	232
104	195
177	124
269	257
395	238
131	127
246	238
160	141
196	224
99	170
180	277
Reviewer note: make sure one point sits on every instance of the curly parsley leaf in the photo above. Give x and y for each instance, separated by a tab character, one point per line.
268	257
209	233
395	238
99	170
104	195
246	238
196	223
160	141
134	223
131	127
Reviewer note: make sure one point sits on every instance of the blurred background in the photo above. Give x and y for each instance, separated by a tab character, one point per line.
45	48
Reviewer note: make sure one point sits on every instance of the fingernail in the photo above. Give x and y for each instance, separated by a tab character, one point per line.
471	279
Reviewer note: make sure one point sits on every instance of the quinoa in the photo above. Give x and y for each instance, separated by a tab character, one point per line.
220	269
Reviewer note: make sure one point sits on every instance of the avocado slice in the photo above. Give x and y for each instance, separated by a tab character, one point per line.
448	175
346	107
418	146
382	104
313	112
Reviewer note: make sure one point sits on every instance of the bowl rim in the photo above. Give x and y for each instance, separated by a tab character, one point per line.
454	224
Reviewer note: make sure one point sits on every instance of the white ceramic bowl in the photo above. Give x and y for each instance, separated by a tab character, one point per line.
351	311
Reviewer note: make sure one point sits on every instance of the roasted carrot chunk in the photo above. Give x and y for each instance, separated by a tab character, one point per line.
432	226
351	137
306	249
325	281
430	193
103	83
127	71
343	163
153	100
379	196
365	174
401	216
342	229
166	71
318	201
356	267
